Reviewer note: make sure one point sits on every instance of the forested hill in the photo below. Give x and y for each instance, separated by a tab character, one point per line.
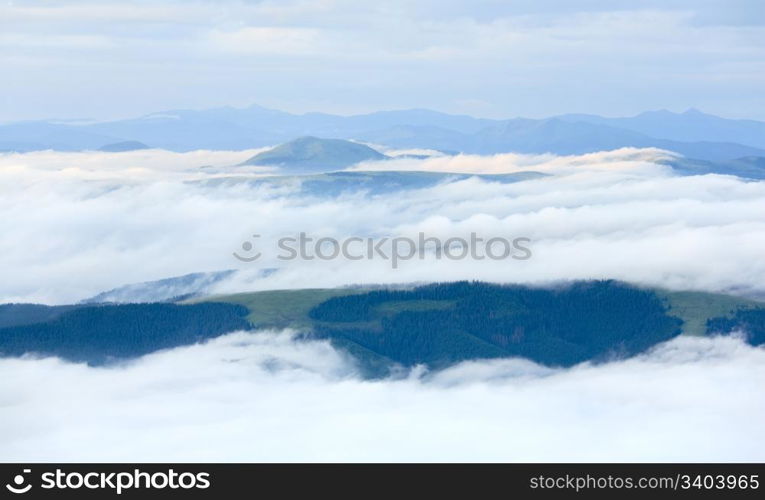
102	333
441	324
435	325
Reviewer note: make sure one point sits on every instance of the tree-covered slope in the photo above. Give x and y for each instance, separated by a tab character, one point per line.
27	314
445	323
442	324
98	334
749	322
383	327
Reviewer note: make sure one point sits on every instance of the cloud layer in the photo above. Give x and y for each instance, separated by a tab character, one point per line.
76	224
266	397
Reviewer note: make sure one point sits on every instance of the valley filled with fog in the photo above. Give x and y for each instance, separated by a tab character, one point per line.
77	224
80	223
265	397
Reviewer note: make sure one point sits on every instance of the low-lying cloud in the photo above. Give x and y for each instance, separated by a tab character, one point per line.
266	397
75	224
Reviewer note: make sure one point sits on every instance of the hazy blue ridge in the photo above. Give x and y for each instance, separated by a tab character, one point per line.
306	154
690	126
123	146
751	167
693	134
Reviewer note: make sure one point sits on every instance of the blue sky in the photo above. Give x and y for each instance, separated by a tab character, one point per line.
70	59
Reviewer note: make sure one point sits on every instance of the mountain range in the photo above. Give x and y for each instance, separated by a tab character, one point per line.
693	134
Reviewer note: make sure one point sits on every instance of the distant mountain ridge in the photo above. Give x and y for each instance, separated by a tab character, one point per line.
693	134
123	146
691	125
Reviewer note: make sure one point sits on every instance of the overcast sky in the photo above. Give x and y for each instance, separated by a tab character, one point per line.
71	59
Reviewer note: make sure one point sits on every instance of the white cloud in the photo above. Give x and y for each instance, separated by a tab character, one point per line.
626	159
268	41
76	224
52	167
264	397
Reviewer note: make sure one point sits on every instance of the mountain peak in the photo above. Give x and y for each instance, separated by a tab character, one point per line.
315	154
123	146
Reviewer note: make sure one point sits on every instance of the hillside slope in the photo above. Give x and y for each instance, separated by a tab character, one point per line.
312	154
